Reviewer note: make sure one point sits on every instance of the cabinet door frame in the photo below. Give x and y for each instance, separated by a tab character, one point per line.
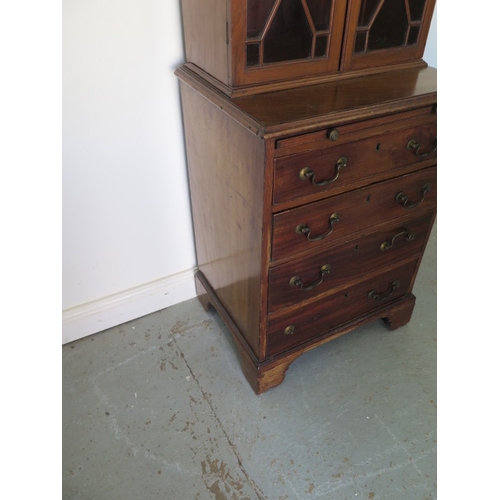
382	57
243	75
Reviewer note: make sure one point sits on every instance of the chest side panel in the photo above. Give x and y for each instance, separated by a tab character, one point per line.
226	176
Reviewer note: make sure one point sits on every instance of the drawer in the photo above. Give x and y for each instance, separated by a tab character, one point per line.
317	318
352	164
308	227
349	131
317	274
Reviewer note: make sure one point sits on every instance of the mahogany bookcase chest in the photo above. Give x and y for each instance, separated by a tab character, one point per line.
311	138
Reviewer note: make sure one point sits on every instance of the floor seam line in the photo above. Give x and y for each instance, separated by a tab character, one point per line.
256	489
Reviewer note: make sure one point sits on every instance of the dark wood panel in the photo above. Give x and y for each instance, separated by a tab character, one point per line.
205	36
226	174
355	211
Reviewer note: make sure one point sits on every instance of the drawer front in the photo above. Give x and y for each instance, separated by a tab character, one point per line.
314	275
339	308
334	169
306	228
350	131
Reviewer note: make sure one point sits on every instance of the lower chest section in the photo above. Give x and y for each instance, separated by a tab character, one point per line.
303	237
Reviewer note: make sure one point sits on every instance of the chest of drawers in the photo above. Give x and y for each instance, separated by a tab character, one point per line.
311	206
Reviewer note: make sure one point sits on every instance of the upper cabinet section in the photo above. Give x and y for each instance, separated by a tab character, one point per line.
245	44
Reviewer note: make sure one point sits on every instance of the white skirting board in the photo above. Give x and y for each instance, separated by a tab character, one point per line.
113	310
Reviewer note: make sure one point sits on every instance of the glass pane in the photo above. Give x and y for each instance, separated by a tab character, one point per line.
416	9
367	10
320	12
389	27
321	45
360	41
252	54
257	14
289	36
413	36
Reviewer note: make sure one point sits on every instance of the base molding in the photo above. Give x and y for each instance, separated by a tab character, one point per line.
113	310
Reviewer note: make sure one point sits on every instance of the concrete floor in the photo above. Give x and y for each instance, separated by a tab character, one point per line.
159	408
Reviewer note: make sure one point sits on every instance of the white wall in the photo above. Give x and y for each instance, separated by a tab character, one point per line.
430	53
127	238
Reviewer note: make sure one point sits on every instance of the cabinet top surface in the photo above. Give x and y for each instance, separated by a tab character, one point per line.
352	98
296	104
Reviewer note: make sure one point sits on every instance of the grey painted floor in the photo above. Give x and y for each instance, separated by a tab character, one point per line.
159	408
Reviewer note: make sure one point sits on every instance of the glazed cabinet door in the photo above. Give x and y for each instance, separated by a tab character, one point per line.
384	32
276	40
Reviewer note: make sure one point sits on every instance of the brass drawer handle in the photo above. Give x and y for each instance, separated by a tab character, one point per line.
414	146
308	174
389	244
289	330
305	229
382	296
297	281
404	200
